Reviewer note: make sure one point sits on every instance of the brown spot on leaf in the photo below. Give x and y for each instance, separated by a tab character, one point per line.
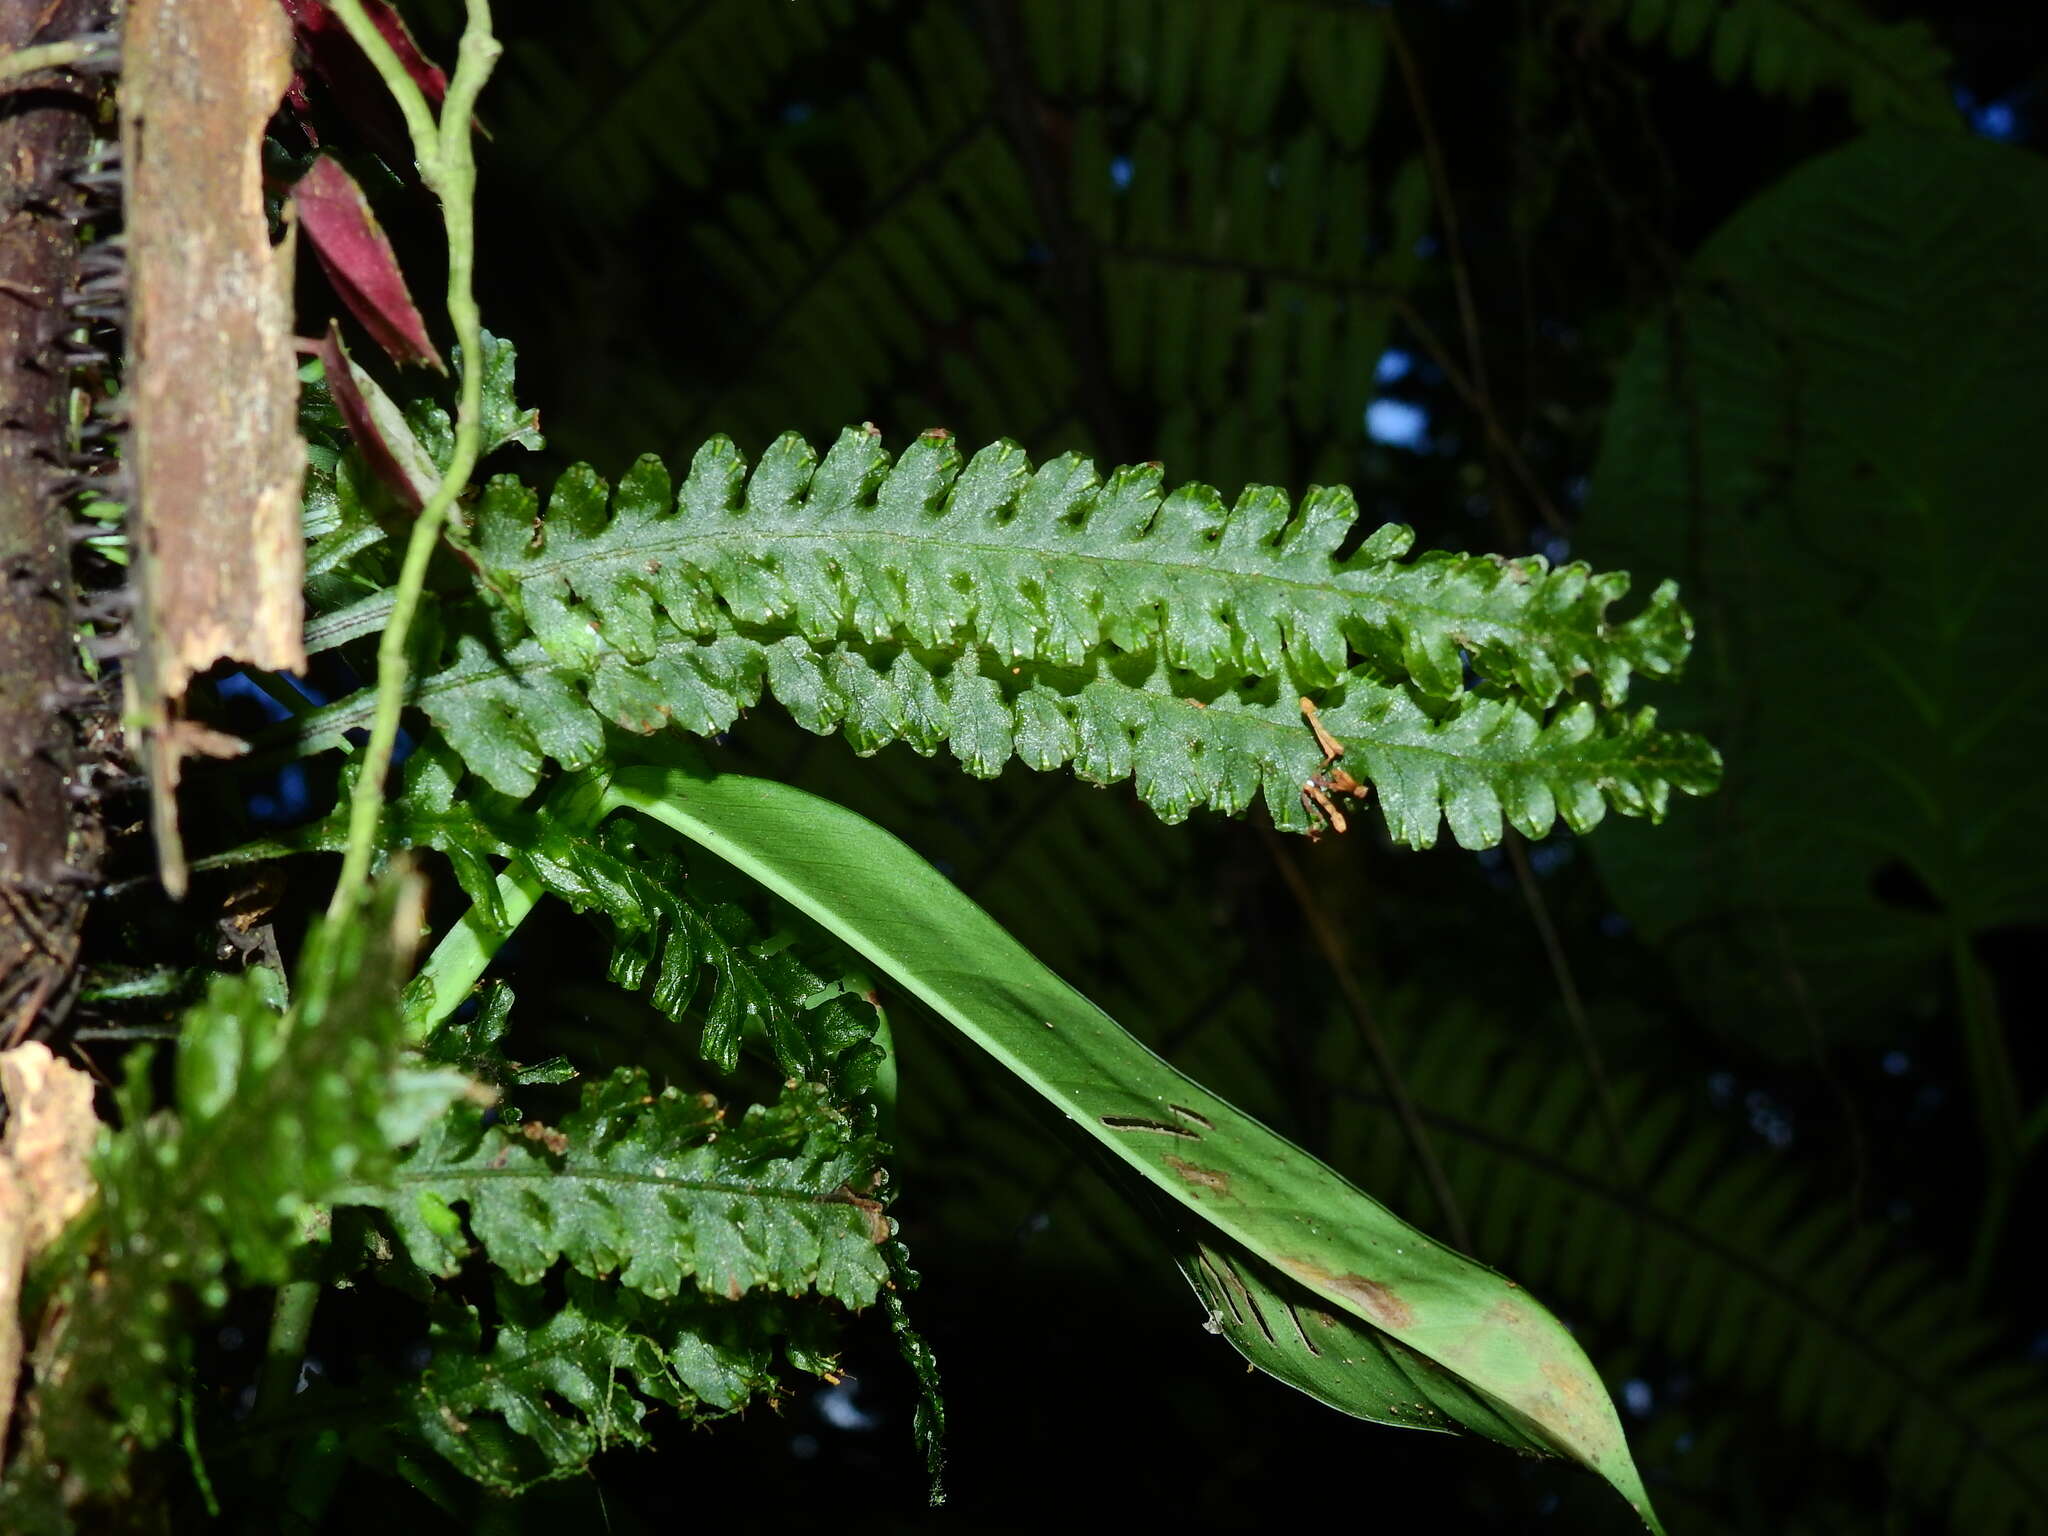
547	1136
1379	1304
1568	1384
1207	1178
870	1210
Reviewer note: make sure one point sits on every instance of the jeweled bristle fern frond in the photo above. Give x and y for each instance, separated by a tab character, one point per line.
553	1384
1060	619
778	1199
1051	565
679	933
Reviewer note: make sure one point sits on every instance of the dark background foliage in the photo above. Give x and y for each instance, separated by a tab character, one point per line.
739	216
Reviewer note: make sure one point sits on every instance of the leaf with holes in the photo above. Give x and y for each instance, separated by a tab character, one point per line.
1244	1186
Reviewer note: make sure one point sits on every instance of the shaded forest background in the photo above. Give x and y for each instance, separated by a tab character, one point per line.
1745	1097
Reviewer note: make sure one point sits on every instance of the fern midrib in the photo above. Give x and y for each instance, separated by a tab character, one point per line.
554	1177
1385	589
308	733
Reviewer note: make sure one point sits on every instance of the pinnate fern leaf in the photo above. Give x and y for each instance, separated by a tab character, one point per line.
1184	742
559	1383
659	1190
1890	70
1059	620
1051	565
679	928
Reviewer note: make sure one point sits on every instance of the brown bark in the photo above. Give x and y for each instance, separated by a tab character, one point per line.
45	134
211	372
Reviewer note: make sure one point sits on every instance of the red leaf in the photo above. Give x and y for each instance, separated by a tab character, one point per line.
387	444
352	82
359	262
324	37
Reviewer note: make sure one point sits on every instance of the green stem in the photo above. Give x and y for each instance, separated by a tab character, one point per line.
1998	1109
26	61
458	961
291	1321
2035	1129
188	1434
447	165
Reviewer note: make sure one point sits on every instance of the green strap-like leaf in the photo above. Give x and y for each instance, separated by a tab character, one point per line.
1289	1332
1255	1190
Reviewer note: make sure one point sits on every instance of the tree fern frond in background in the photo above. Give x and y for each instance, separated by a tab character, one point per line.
1740	1269
1891	71
926	227
663	95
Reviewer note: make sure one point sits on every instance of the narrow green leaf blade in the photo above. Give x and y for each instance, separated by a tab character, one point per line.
1288	1332
1254	1189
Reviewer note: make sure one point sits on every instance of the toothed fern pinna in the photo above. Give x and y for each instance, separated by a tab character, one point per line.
1062	619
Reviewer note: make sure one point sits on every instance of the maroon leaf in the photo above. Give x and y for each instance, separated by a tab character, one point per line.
359	262
378	426
352	81
324	37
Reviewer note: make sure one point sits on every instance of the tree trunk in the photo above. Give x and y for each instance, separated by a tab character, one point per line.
45	135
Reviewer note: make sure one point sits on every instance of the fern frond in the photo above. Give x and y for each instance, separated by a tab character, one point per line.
1242	318
1060	619
679	928
1891	71
657	1190
661	95
1738	1267
1046	565
557	1384
1231	68
273	1112
1183	741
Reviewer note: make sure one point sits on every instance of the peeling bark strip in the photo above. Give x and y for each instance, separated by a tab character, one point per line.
218	461
45	133
45	1179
